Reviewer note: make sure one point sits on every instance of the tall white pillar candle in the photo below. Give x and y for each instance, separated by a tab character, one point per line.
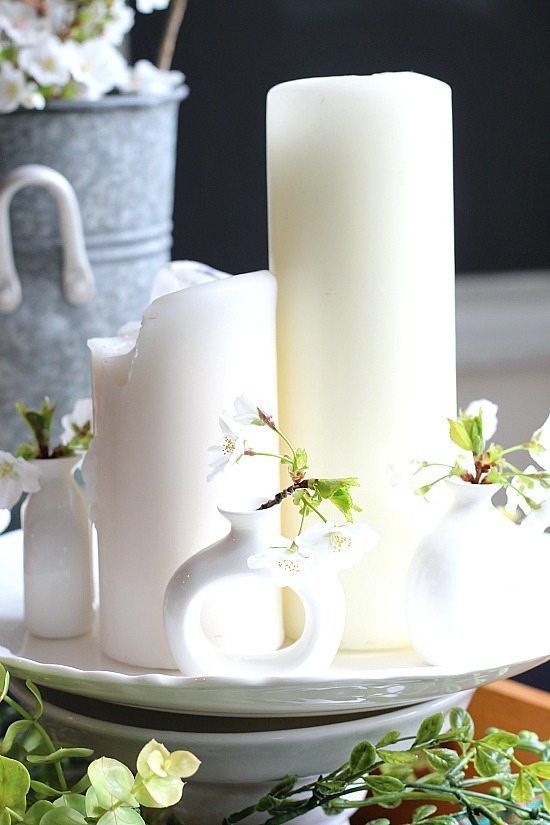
156	407
361	243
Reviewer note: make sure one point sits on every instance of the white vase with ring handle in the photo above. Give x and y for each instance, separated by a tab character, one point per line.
248	644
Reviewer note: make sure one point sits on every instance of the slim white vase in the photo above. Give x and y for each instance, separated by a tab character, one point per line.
58	588
465	579
245	609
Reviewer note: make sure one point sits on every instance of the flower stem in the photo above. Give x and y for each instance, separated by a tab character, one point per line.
47	741
285	439
176	14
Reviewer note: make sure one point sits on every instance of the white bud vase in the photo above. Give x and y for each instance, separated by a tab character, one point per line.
465	581
58	589
243	637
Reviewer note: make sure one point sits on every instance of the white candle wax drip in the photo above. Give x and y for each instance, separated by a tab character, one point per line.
156	406
361	243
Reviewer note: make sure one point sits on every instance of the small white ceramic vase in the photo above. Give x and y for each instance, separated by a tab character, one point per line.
465	581
223	618
58	589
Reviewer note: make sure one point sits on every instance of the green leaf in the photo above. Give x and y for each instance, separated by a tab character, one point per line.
14	784
484	763
459	435
390	738
422	812
362	758
27	452
443	820
63	816
32	688
398	757
35	813
300	460
58	755
522	792
43	789
122	816
381	821
4	682
546	800
476	435
383	784
441	759
284	787
32	740
461	723
429	728
540	769
501	740
16	728
112	782
75	801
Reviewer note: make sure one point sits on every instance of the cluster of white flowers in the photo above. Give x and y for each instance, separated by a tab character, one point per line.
326	546
69	49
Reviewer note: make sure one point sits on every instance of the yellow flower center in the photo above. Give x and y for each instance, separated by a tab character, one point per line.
288	565
228	445
7	470
339	542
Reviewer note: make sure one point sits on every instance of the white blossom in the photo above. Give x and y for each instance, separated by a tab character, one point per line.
46	61
542	438
246	412
539	517
226	452
72	422
488	411
120	20
321	548
17	476
145	78
337	547
21	23
12	86
32	98
284	565
148	6
97	65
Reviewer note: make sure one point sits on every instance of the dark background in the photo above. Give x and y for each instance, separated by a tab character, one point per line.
493	53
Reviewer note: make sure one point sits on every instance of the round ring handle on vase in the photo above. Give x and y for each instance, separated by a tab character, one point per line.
196	654
77	276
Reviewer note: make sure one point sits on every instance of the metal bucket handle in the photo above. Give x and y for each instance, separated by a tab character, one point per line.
77	277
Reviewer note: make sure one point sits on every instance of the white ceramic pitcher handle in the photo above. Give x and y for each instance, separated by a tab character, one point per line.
77	276
323	600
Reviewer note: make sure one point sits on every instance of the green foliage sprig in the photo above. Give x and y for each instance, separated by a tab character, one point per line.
481	777
486	462
37	789
40	423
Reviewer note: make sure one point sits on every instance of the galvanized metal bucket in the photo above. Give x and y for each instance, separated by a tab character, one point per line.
113	162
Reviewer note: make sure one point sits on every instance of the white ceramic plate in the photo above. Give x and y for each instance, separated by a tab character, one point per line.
355	682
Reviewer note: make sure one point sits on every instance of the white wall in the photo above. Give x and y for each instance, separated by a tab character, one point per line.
503	347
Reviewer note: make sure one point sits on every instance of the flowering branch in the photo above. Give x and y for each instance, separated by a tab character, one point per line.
485	462
338	546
